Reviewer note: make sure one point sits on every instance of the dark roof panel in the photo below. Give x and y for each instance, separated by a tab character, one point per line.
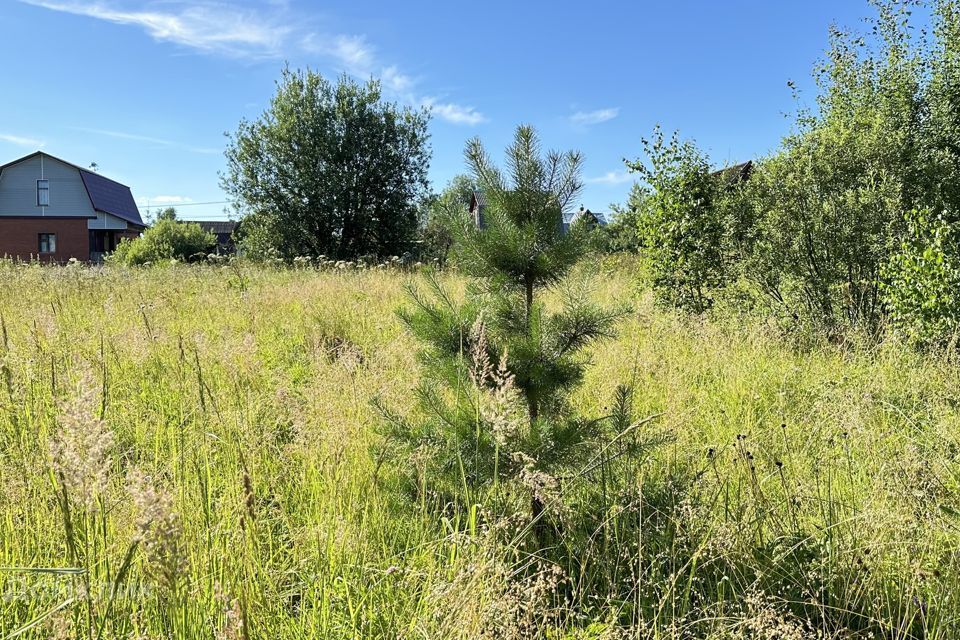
111	197
736	173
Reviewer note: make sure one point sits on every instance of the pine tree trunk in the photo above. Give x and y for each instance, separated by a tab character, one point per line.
529	309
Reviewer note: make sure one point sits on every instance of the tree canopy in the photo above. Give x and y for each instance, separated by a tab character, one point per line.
328	169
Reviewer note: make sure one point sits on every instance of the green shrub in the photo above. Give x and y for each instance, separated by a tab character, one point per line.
440	215
679	222
923	280
168	239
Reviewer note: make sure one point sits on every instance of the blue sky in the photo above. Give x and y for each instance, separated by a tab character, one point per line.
146	89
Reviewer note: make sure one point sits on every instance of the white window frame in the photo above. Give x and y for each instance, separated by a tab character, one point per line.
43	187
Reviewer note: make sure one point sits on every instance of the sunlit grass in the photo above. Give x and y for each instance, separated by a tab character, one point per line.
806	491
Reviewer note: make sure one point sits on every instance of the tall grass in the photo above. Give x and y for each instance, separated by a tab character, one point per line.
192	452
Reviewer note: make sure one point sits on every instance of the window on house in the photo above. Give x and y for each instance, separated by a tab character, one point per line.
43	193
48	243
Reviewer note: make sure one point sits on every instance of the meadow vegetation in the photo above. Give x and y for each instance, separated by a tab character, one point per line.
740	421
193	451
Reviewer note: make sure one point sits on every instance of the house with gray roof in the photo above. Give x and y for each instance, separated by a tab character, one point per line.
52	210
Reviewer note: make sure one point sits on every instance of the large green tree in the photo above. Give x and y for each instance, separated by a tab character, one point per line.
329	169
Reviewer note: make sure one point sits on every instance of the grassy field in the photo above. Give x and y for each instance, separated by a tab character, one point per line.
192	452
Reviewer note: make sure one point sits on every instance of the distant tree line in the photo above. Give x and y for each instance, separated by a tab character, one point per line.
851	224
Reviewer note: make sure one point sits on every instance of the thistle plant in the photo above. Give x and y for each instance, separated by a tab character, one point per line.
500	366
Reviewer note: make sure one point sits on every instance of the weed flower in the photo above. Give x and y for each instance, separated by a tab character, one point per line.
501	410
232	628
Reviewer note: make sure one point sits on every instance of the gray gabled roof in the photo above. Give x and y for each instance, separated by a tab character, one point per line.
479	199
572	216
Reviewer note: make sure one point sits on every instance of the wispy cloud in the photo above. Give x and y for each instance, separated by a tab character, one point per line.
351	53
222	28
455	113
612	178
123	135
214	27
587	118
396	81
21	141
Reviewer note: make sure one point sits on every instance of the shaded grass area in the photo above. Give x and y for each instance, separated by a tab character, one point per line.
192	452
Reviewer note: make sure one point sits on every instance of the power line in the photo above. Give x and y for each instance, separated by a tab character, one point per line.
176	205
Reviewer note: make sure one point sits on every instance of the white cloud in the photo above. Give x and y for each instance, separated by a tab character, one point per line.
218	27
351	53
587	118
455	113
21	141
122	135
612	178
214	27
396	81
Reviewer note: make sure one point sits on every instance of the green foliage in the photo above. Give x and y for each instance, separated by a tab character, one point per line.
442	213
328	170
167	214
679	222
810	232
829	206
167	239
621	234
499	364
922	280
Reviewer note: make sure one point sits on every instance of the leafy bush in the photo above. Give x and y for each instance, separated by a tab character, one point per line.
441	214
679	222
167	239
922	288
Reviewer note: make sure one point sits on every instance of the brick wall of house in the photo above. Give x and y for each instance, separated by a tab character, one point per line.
20	238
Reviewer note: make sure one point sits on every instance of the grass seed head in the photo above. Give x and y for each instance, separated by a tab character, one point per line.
158	530
81	448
